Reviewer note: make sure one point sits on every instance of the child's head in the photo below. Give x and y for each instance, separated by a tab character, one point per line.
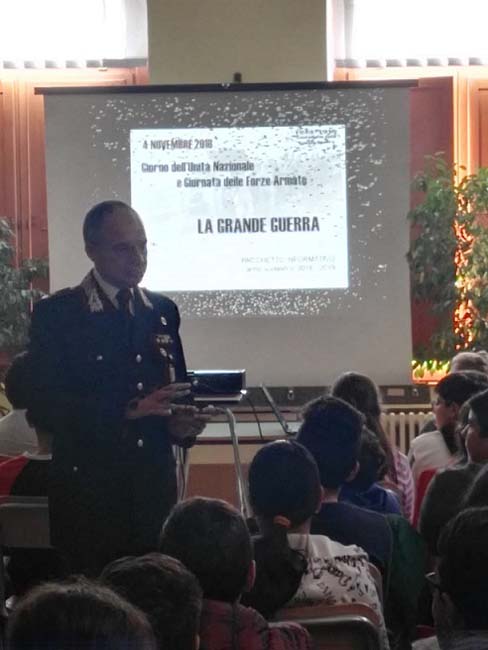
284	481
77	614
461	597
211	539
477	433
331	431
17	384
470	361
361	392
167	593
285	491
18	390
451	393
372	462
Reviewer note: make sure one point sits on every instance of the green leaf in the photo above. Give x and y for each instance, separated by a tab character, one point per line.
17	292
449	196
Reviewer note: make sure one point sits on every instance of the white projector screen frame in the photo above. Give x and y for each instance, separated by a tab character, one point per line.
297	337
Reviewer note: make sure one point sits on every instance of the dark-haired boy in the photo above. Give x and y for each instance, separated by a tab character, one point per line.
77	614
16	435
460	584
364	490
211	538
331	431
437	449
26	474
167	593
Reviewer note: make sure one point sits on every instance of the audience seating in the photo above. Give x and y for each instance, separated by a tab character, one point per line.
24	523
337	627
378	579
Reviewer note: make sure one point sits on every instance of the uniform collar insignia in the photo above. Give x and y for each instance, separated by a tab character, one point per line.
92	291
93	294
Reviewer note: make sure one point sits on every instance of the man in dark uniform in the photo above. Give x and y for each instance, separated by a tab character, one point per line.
107	364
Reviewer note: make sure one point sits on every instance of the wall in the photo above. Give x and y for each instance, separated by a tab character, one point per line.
22	167
207	41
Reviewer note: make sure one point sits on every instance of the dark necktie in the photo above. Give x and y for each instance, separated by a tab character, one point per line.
124	297
123	300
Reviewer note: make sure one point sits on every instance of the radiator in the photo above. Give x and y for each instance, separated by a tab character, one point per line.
402	428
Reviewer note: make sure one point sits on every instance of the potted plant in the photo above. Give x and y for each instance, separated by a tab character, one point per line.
17	294
448	256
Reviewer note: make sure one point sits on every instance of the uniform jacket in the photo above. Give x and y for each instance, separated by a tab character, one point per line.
113	479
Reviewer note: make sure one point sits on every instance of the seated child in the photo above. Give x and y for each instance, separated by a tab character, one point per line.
361	392
167	593
331	431
363	490
211	539
77	614
293	566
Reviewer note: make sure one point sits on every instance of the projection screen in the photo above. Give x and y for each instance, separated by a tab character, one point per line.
276	217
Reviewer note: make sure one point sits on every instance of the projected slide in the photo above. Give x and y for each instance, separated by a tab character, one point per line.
242	208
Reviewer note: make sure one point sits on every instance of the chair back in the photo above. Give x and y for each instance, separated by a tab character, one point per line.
378	580
24	523
352	626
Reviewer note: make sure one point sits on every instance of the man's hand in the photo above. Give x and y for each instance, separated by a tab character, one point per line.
187	422
159	402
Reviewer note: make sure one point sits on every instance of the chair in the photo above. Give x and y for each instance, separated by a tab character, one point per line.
378	580
24	524
352	626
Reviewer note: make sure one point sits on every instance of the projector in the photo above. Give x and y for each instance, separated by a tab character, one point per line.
211	384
